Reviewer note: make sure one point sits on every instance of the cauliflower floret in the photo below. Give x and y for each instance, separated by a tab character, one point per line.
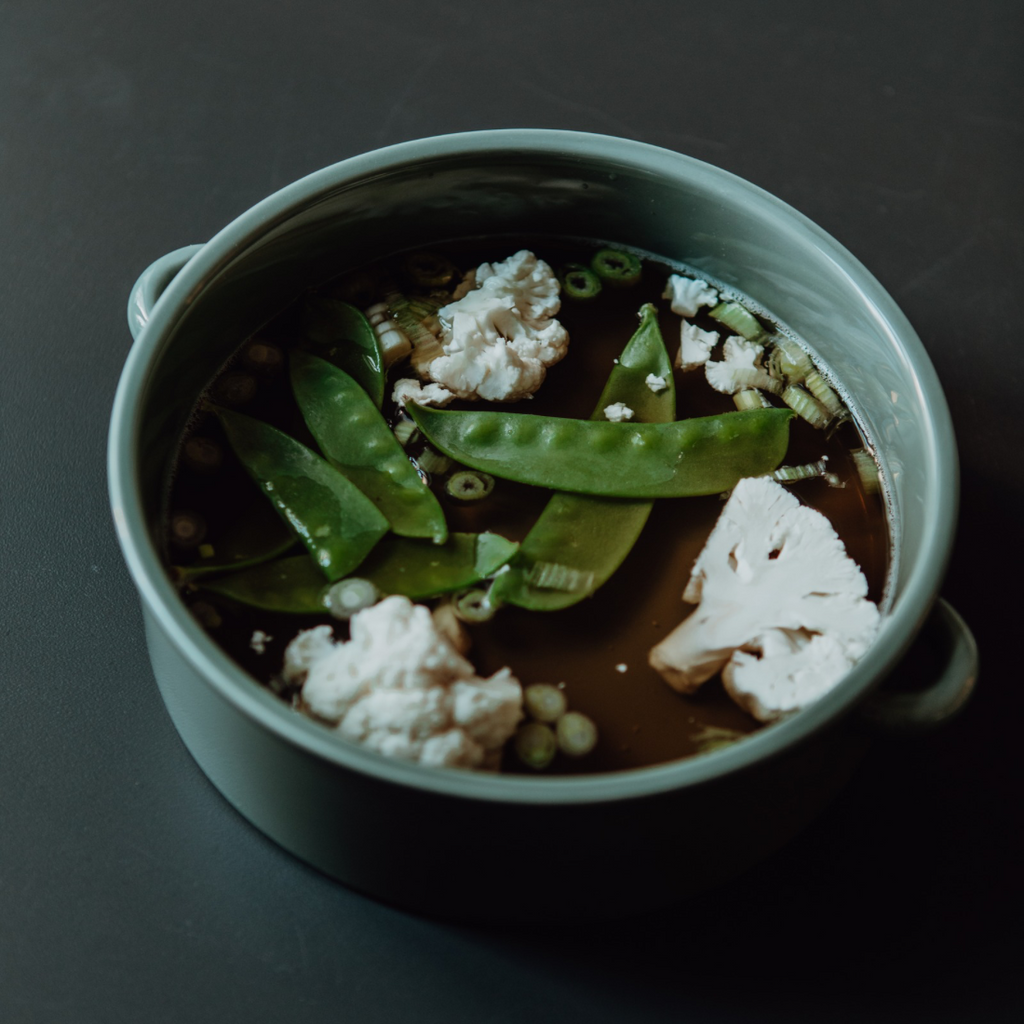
695	346
499	337
655	383
409	390
739	367
688	294
618	412
782	609
399	687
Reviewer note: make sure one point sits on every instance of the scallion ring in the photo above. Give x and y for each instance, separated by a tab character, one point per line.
469	485
615	267
580	283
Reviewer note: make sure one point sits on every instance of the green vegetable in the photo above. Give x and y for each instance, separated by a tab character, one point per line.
544	702
622	460
474	606
341	334
580	283
356	440
257	536
417	569
536	745
420	570
338	524
806	406
467	485
739	318
346	597
292	585
617	268
576	734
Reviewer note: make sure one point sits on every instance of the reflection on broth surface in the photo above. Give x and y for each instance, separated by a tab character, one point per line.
595	651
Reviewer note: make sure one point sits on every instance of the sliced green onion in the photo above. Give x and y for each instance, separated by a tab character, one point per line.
474	606
544	702
405	430
263	357
188	530
823	393
580	283
789	361
411	318
553	576
430	460
206	614
787	474
755	377
576	734
469	485
536	745
739	319
346	597
235	389
430	269
750	398
867	470
203	455
806	406
206	551
619	269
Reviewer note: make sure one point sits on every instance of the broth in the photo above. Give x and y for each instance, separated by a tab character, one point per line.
596	650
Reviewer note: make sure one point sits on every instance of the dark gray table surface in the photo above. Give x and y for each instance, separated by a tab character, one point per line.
129	890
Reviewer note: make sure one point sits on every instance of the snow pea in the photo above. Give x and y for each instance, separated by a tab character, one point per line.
704	455
334	519
398	566
257	536
341	334
593	535
356	440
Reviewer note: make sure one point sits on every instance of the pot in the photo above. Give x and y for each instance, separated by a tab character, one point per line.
462	844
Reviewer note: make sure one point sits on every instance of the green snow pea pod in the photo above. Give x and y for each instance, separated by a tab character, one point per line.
705	455
293	585
257	536
355	438
593	535
334	519
398	566
341	334
418	570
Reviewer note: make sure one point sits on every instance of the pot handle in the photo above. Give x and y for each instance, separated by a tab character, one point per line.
151	284
937	702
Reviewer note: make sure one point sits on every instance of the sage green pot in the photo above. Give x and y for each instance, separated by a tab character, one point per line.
462	844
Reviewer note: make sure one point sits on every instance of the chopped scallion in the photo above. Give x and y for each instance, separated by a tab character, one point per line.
348	596
536	745
616	268
430	269
474	606
405	430
469	485
806	406
739	319
823	393
544	702
430	460
750	398
867	470
580	283
576	734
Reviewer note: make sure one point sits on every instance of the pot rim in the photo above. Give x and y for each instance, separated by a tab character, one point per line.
160	597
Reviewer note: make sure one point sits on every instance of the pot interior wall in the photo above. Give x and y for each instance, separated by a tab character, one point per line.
713	222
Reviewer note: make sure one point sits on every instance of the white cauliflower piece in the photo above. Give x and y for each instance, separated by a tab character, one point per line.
618	412
782	609
500	337
409	390
399	687
688	294
695	346
740	367
655	383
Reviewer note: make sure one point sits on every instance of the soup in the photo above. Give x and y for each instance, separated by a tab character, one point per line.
595	651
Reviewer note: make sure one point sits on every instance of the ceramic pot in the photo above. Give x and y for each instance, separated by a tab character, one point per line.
462	844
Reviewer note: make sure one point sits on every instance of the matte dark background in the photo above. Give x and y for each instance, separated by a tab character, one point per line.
129	890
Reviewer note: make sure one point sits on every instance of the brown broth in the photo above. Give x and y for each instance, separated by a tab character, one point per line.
596	650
